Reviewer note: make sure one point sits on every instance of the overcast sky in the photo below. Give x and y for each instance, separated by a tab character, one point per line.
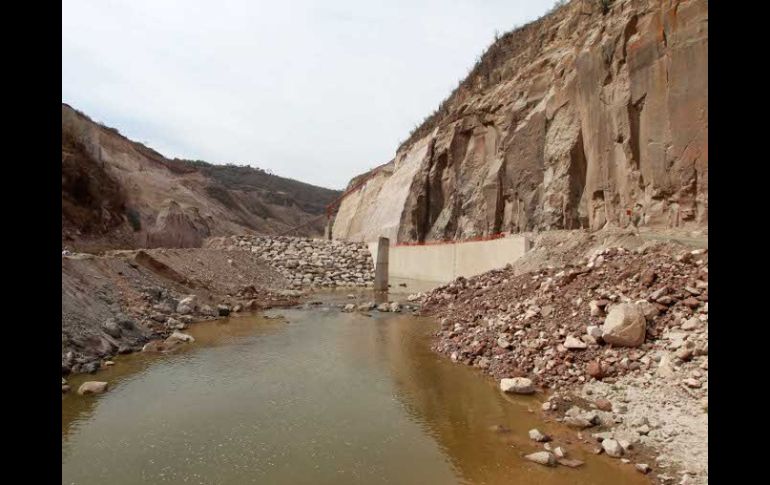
319	90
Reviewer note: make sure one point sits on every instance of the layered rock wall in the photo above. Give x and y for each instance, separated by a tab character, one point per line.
584	118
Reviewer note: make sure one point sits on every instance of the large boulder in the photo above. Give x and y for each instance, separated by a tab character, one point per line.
186	305
517	385
179	337
92	387
542	457
625	325
612	448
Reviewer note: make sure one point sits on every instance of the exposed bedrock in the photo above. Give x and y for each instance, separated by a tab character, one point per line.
576	120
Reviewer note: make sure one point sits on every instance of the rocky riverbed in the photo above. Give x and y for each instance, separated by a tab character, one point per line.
307	262
128	301
618	339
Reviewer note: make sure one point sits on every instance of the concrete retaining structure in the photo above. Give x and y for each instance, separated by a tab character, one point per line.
442	263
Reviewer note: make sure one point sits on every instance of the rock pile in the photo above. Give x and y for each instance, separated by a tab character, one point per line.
307	262
619	312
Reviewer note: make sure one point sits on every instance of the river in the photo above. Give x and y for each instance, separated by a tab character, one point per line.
315	396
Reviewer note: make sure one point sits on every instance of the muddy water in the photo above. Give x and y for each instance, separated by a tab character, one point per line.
321	397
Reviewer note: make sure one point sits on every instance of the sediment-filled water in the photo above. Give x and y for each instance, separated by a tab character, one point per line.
318	397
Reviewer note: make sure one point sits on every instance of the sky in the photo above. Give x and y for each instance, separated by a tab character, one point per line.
319	91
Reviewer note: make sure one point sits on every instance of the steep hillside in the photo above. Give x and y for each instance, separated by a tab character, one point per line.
594	115
117	193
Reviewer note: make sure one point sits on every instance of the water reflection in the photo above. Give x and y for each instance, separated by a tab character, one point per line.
461	409
321	397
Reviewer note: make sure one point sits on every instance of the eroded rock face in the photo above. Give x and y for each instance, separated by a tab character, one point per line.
580	119
178	227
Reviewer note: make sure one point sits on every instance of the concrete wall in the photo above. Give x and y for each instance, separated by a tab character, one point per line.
442	263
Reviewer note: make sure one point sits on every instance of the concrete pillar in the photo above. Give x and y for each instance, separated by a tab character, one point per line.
381	265
328	229
527	243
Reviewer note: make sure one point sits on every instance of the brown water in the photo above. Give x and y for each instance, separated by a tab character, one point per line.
321	397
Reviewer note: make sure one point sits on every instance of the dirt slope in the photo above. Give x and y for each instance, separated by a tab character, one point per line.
118	302
117	193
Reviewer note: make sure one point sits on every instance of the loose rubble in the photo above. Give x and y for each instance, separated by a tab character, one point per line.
532	324
625	330
308	262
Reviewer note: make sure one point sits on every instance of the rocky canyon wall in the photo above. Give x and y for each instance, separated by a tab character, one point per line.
584	118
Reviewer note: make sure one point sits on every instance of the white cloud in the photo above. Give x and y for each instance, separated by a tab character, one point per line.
314	90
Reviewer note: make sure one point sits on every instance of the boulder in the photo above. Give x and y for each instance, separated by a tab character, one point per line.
612	448
624	326
578	422
395	307
179	337
572	343
350	307
383	307
643	468
595	369
517	385
537	435
92	387
223	310
542	457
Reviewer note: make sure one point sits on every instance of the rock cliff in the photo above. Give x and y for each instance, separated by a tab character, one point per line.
594	115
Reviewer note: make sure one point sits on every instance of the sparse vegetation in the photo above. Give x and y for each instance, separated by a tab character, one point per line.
310	198
484	72
557	5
